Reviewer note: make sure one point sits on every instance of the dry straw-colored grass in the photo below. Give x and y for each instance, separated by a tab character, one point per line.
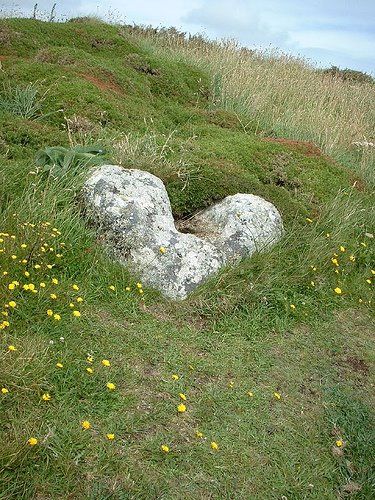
277	92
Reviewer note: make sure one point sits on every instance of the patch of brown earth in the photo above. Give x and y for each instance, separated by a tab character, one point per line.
107	85
305	147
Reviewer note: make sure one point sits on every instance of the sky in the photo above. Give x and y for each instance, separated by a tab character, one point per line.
327	32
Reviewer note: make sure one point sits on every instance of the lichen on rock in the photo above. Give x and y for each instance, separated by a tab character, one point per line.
132	212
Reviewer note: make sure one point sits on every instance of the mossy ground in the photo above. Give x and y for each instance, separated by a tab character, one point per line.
238	333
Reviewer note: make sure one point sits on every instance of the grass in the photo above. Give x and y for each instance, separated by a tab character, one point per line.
275	365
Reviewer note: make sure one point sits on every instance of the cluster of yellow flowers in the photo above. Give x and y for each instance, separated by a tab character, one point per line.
340	260
32	265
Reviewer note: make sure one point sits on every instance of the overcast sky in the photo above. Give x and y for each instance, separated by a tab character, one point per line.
339	32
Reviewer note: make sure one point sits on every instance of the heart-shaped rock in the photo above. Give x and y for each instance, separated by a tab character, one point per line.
131	210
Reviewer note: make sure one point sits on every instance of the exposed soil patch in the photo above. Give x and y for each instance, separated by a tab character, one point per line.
3	58
305	147
357	364
105	83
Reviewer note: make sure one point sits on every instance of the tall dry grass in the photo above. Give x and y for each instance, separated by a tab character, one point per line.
277	92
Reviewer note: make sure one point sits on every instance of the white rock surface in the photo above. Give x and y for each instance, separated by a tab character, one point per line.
132	211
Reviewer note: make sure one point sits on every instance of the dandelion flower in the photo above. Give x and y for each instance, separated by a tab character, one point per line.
214	445
105	362
128	288
55	281
165	448
75	287
335	261
112	287
338	290
251	394
42	285
368	281
199	434
32	441
85	424
57	317
308	220
89	359
110	437
79	299
339	443
175	377
181	408
352	258
53	296
50	312
76	314
292	306
12	304
89	370
4	390
111	386
11	286
162	250
342	249
71	305
27	274
59	365
277	395
12	348
139	285
182	396
46	396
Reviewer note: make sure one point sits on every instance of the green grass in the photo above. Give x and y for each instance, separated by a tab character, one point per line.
237	333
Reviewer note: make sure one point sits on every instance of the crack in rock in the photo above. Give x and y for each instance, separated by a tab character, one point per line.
132	212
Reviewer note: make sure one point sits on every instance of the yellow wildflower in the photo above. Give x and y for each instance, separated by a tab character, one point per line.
342	249
32	441
251	394
110	437
338	290
12	304
105	362
89	370
50	312
59	365
75	287
111	386
339	443
46	396
162	250
175	377
292	306
165	448
55	281
112	287
277	395
199	434
182	396
57	317
85	424
77	314
53	296
181	408
214	445
4	390
42	285
12	348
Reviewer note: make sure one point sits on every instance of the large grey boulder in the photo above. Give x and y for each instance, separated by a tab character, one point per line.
132	212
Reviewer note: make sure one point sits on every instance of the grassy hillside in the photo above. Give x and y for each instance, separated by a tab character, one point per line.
274	356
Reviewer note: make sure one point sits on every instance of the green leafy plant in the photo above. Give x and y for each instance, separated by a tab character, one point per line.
58	160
